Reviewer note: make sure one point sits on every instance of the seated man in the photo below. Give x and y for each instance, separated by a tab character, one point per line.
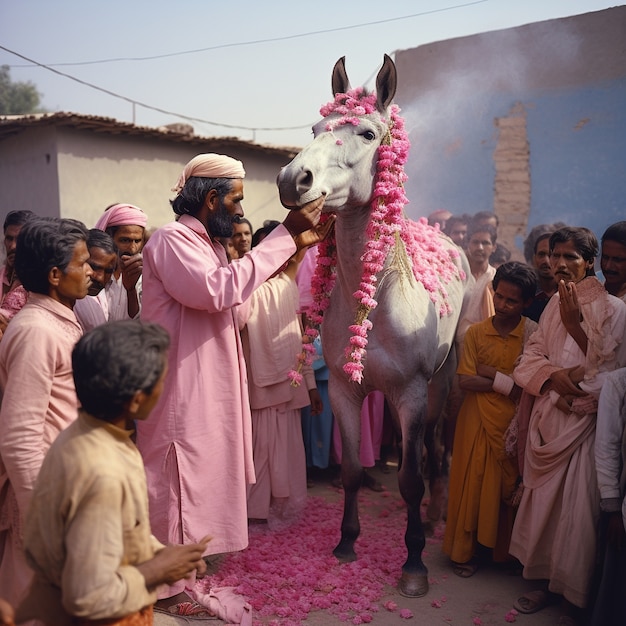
94	309
88	532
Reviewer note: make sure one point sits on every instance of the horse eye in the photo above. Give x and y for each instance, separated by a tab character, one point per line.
369	135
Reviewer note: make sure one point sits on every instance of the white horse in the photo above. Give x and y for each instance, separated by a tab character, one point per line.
409	338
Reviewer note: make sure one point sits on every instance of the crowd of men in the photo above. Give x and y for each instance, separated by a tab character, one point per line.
104	515
539	417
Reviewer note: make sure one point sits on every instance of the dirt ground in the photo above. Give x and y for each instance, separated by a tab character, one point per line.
485	598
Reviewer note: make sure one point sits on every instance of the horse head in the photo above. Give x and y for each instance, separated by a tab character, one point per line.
340	162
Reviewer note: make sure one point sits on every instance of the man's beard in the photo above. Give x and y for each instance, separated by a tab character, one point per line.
220	222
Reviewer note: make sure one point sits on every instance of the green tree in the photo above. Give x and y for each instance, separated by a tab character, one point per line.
17	98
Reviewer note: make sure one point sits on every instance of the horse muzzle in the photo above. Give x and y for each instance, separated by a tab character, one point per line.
297	187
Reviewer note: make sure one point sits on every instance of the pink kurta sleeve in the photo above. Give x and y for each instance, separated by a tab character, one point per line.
535	366
203	282
24	406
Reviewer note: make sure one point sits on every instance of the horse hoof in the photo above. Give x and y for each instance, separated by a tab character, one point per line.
413	585
344	556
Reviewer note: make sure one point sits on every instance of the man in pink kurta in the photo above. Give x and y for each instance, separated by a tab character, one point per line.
38	396
197	445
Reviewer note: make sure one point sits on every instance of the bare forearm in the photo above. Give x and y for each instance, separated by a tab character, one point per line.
133	303
475	383
173	563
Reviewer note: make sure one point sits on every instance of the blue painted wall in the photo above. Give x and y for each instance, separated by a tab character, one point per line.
577	141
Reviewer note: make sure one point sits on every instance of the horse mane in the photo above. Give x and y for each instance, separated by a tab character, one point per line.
416	246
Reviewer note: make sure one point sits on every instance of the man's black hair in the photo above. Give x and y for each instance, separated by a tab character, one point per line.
114	361
45	243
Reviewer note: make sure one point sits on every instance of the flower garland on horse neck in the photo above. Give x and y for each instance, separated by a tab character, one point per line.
388	230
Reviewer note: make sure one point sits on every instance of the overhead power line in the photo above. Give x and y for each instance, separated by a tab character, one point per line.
148	106
268	40
51	66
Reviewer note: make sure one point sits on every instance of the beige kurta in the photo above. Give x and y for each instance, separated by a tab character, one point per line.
38	402
88	527
479	306
554	535
272	339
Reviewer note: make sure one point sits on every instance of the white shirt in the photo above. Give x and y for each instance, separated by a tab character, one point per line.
611	442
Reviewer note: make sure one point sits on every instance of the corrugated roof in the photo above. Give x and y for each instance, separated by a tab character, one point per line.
183	133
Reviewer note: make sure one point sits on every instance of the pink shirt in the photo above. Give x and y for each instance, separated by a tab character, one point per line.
38	395
14	299
38	402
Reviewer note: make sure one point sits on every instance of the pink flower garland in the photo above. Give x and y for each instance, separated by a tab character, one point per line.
303	358
432	263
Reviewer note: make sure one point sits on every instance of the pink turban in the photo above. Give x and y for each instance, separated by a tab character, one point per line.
210	166
122	215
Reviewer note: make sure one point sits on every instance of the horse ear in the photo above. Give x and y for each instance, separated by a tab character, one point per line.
386	83
340	80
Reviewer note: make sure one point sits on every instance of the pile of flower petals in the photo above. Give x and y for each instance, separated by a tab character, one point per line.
288	573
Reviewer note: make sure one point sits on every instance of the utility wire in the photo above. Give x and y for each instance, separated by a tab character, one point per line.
268	40
147	106
51	67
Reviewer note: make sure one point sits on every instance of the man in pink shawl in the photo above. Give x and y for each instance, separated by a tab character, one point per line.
197	447
564	365
126	224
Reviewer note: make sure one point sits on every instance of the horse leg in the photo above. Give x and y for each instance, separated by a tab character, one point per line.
438	396
347	411
414	580
453	404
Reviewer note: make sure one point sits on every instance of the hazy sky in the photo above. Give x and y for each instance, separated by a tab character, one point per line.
251	64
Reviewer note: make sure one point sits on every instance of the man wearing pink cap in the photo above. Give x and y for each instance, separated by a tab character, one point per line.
197	448
126	224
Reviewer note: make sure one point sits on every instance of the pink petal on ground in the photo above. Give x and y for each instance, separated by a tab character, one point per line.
302	551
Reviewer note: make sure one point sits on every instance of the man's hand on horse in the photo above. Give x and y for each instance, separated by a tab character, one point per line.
304	218
314	235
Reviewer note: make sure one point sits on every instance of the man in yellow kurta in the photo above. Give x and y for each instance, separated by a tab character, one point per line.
482	475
